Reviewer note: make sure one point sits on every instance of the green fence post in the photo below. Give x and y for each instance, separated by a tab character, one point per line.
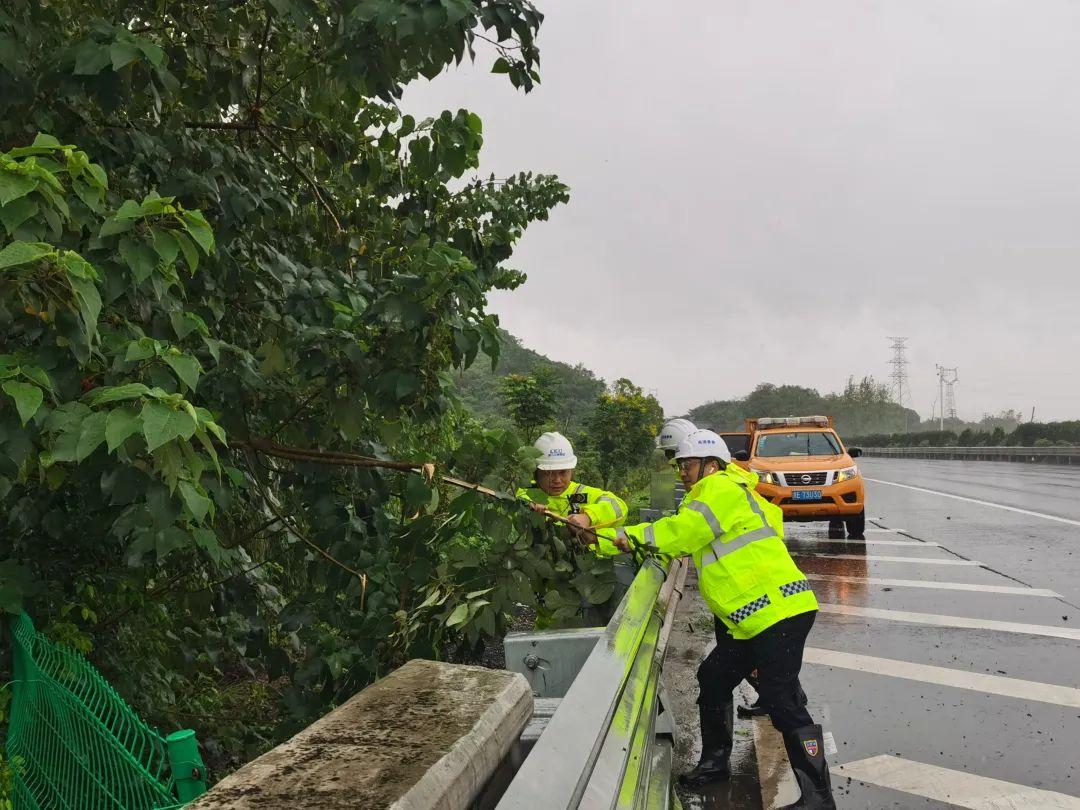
188	770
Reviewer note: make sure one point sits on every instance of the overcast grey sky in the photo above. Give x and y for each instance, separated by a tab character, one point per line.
765	190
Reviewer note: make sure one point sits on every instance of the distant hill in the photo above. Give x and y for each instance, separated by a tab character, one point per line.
478	386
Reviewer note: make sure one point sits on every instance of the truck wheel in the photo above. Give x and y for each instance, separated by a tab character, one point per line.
836	530
856	526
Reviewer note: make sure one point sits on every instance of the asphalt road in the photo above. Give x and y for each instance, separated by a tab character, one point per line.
945	662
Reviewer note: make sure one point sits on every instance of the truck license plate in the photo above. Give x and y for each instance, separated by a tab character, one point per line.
806	495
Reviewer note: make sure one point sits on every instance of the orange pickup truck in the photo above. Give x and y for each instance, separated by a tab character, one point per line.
805	470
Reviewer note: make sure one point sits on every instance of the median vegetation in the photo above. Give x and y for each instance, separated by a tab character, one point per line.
1029	434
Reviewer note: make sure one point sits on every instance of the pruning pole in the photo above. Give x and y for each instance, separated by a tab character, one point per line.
427	470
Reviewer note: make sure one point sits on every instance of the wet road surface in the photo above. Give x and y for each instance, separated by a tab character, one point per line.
945	663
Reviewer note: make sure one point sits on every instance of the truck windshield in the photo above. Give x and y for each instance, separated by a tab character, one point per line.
804	443
736	441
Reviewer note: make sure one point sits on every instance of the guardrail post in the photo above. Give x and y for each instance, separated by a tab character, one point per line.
188	770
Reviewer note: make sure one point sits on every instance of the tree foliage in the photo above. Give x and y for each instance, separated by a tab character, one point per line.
531	400
622	430
479	385
248	246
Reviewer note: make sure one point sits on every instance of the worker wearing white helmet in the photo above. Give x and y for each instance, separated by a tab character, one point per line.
763	604
673	432
553	487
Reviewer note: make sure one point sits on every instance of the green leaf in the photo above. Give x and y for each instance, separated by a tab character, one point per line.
139	258
91	435
16	212
141	349
115	225
458	616
92	196
98	174
77	266
154	55
187	247
500	66
14	185
196	225
91	58
88	301
115	393
123	54
186	367
208	541
38	375
161	424
273	359
217	430
197	503
28	398
121	424
169	540
23	253
169	462
166	246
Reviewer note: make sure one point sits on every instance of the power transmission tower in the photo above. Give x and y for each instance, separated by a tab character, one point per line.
947	379
898	375
899	364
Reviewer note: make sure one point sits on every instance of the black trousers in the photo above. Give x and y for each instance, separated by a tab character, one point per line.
776	654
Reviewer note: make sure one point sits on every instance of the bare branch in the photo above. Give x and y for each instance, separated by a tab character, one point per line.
307	178
262	56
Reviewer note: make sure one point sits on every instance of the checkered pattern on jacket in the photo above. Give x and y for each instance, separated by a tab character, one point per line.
750	609
793	588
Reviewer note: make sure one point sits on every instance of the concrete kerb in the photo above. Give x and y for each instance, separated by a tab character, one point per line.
428	736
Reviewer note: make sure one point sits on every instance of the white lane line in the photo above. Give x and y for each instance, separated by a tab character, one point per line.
942	586
976	500
954	787
875	558
868	542
943	676
830	744
953	621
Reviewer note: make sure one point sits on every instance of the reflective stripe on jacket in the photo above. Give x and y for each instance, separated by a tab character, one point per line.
735	536
603	508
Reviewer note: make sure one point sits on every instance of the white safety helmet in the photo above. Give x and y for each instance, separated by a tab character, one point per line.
703	444
556	452
673	432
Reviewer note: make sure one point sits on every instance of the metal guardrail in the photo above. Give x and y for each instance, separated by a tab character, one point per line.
600	748
1030	455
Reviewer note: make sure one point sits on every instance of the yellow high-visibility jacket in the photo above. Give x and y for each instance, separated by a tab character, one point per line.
603	508
735	537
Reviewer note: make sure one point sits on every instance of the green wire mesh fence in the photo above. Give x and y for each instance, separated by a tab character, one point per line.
74	744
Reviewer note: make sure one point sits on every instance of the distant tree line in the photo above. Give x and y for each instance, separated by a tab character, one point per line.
1028	434
863	407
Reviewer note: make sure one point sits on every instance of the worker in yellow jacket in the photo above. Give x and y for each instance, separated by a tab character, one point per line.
553	488
763	604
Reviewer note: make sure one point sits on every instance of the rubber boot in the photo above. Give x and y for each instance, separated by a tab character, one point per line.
717	733
806	752
757	709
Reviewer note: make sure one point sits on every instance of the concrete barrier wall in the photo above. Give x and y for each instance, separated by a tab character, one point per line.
428	736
